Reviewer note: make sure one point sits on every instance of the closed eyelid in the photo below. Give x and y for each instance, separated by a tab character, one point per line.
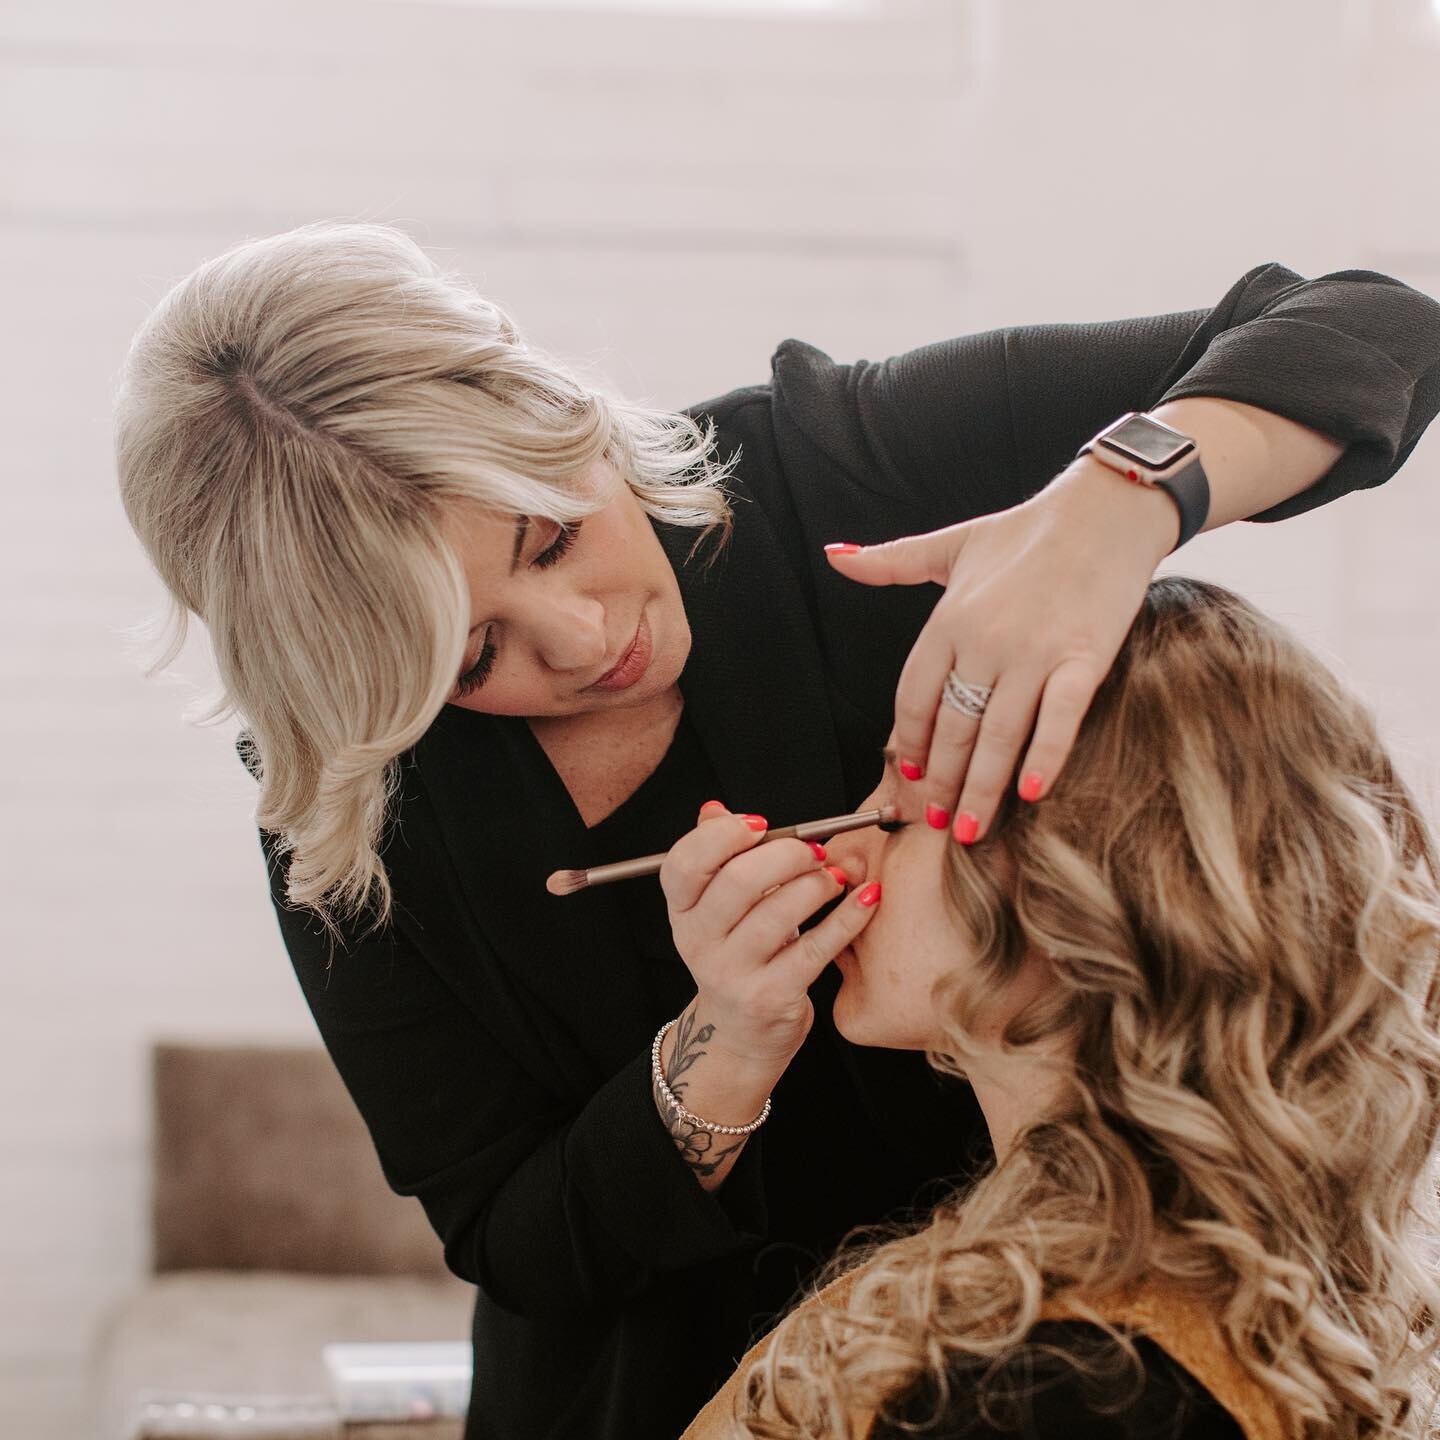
883	796
891	773
522	531
558	546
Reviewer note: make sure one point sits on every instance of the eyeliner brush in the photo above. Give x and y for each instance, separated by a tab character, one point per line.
567	882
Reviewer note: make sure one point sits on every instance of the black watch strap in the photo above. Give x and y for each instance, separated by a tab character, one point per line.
1189	488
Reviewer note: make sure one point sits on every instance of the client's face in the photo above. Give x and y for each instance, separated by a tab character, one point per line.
911	940
889	974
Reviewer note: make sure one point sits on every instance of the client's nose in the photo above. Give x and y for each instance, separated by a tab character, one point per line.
854	851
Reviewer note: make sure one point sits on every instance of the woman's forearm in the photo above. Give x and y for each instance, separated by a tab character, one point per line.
724	1091
1253	459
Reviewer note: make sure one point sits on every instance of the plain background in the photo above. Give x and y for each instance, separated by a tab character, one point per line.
660	194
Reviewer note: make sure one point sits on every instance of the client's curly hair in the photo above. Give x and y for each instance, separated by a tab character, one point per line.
1238	899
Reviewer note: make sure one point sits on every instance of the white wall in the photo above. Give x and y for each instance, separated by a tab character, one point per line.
661	198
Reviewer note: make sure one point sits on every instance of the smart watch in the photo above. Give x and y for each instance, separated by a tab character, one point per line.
1149	452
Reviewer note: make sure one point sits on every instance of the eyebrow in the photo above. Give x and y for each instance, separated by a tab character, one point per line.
521	526
891	759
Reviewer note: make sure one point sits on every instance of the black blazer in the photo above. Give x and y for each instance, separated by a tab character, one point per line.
497	1039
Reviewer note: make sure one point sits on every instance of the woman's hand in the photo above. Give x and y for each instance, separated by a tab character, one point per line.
735	910
1037	601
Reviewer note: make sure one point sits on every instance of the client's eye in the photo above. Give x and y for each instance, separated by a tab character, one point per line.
891	826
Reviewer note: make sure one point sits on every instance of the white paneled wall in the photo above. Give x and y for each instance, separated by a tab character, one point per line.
660	198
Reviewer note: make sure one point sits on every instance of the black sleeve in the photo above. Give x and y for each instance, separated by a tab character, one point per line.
976	424
551	1207
1069	1381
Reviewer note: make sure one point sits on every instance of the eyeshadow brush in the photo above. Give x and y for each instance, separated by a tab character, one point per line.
567	882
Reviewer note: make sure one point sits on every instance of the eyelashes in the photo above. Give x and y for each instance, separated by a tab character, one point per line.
479	672
560	547
891	826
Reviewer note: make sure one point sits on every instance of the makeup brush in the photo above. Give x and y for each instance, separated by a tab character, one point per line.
567	882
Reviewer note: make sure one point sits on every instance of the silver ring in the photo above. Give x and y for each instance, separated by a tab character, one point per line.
968	699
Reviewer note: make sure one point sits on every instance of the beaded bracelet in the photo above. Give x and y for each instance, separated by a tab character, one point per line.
668	1095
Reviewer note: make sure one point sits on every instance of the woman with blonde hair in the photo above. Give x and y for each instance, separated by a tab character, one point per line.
469	611
1196	995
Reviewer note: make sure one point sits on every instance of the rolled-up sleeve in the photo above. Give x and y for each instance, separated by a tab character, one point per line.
978	423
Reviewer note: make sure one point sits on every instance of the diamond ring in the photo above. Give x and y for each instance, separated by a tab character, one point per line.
968	699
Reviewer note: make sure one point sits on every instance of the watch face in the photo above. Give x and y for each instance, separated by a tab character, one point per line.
1149	443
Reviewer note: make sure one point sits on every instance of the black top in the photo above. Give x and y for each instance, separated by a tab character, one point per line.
667	803
497	1038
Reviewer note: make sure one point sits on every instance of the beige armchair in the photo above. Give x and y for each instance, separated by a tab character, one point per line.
274	1235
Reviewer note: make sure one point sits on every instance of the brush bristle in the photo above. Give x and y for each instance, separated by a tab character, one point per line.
566	882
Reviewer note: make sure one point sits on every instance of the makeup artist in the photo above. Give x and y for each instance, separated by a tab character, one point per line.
482	623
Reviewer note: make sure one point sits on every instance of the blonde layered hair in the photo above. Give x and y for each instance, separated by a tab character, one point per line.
1237	896
293	422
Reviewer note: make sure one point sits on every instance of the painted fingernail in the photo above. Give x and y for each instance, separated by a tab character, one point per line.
1031	785
816	848
842	547
870	895
838	875
936	817
756	822
966	828
910	770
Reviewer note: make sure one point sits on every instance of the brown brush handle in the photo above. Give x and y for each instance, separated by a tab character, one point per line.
806	830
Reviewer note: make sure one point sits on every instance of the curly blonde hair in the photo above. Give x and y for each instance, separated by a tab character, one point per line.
293	422
1238	900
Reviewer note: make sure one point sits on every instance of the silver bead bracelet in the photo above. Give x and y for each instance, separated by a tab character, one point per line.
668	1095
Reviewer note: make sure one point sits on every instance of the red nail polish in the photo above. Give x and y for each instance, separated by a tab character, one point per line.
817	849
842	547
910	770
967	827
870	895
1031	785
757	822
838	875
936	817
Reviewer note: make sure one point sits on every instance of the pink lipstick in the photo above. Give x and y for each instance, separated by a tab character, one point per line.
635	662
